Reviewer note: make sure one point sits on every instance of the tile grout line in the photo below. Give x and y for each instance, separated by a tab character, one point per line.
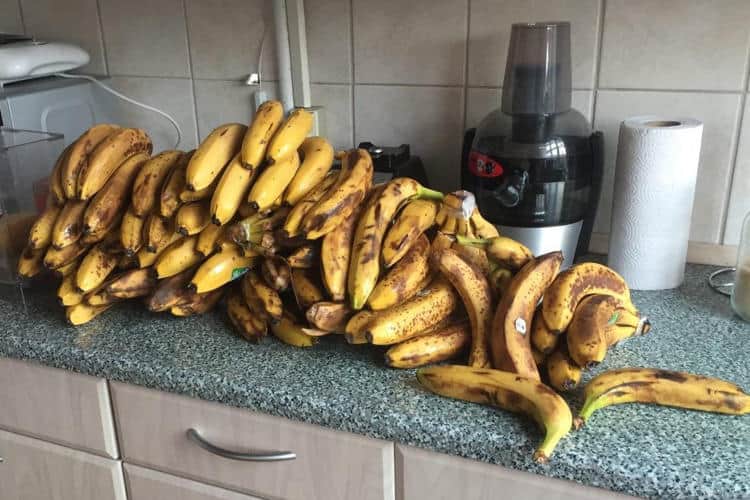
598	69
101	37
190	71
351	73
20	14
466	78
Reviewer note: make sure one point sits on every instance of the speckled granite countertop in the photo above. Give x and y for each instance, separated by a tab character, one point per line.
636	449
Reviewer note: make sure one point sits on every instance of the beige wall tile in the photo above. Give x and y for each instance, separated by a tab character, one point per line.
329	43
416	42
480	101
225	38
739	200
489	34
171	95
427	118
73	21
719	114
221	101
675	44
10	17
337	100
145	38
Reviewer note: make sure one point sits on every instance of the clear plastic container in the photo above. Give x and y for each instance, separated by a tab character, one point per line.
26	160
741	292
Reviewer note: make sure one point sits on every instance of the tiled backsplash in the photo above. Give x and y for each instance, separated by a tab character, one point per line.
422	71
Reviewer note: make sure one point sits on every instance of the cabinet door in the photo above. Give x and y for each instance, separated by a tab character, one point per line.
426	475
57	405
147	484
329	465
33	469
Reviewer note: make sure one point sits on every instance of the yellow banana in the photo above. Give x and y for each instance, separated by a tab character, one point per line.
299	210
662	387
170	291
335	251
614	334
68	226
197	303
99	296
242	318
364	264
269	298
508	391
542	339
69	268
186	196
510	344
306	291
57	192
539	357
272	182
587	342
148	183
78	156
506	251
629	317
563	373
131	232
267	120
445	343
206	244
404	279
30	262
415	218
476	295
55	258
172	186
40	235
276	273
83	312
477	257
290	135
107	156
157	231
356	327
440	242
408	319
352	184
68	293
95	266
329	316
178	256
213	154
500	279
575	283
317	154
232	188
481	227
220	269
109	203
291	333
192	218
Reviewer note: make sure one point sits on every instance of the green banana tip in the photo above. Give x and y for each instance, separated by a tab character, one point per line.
430	194
465	240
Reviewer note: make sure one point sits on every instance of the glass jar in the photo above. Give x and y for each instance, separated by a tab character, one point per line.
741	292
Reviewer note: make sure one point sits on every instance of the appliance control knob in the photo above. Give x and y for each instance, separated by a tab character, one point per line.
509	194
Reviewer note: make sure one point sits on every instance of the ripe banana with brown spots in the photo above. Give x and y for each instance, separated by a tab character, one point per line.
563	373
298	212
213	154
55	258
542	338
481	227
244	321
78	156
40	234
587	342
289	332
432	347
68	226
148	183
157	232
335	251
415	218
32	262
507	252
131	232
356	327
171	188
306	291
96	266
55	182
170	291
192	218
405	278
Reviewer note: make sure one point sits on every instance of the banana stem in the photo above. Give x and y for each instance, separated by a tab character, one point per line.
475	242
589	407
429	194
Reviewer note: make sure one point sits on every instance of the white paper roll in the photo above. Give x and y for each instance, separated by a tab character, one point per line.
657	164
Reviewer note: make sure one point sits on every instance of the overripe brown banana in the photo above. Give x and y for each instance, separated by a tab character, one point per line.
415	218
298	212
131	284
356	327
575	283
662	387
242	318
220	269
232	188
157	232
305	257
268	297
510	343
339	201
170	291
266	122
107	156
563	373
31	262
329	316
403	321
276	273
290	135
433	347
68	226
508	391
213	154
78	155
403	280
587	342
40	235
147	186
131	232
55	258
192	218
317	154
197	303
178	256
306	291
477	297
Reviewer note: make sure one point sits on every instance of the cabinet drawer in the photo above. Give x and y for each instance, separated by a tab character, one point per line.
44	471
329	465
57	405
426	475
147	484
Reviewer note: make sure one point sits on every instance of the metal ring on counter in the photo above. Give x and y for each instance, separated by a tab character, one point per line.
721	287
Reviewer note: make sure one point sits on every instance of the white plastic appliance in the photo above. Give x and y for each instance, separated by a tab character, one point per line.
22	58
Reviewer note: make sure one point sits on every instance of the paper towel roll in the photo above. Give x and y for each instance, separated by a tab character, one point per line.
657	164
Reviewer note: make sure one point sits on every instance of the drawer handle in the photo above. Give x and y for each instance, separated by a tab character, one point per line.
275	456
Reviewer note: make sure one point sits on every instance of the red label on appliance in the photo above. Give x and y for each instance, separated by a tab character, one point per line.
484	166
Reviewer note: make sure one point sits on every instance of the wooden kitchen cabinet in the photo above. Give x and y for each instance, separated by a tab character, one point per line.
426	475
35	469
147	484
329	465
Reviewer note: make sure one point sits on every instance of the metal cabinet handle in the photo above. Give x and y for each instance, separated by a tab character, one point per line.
274	456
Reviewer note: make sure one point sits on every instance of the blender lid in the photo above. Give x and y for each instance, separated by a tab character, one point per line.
537	72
